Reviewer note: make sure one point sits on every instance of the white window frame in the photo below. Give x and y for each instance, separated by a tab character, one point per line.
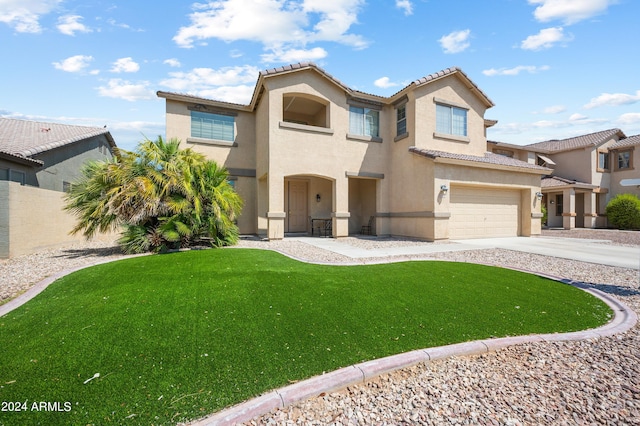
448	120
221	127
360	125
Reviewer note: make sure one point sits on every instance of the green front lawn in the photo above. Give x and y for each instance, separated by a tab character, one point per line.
175	337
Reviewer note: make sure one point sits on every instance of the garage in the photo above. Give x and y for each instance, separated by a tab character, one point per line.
483	212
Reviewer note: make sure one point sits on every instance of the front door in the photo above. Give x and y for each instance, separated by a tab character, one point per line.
297	202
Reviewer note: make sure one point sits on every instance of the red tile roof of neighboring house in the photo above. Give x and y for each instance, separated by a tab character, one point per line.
558	181
623	143
488	158
592	139
24	139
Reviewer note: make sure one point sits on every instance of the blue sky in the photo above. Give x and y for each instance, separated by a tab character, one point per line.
554	68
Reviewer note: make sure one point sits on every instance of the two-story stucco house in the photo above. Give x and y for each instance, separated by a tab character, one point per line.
587	171
308	147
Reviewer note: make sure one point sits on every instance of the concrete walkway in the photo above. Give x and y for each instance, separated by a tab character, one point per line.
584	250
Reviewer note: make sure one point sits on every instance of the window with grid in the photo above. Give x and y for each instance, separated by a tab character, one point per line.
212	126
451	120
401	120
364	121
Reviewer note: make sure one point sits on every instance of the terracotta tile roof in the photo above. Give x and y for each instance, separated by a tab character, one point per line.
592	139
22	138
488	158
558	181
623	143
448	71
310	65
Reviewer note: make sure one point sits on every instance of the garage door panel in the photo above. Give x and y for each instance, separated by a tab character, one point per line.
482	212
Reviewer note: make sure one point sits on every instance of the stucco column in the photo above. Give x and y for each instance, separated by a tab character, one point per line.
340	213
590	210
569	209
276	214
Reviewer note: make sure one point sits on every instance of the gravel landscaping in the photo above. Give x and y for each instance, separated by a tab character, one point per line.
584	382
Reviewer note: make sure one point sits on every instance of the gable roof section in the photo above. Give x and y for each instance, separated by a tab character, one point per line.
489	160
273	72
24	139
591	139
460	74
627	142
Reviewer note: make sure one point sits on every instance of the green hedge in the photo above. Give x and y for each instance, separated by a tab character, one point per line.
623	211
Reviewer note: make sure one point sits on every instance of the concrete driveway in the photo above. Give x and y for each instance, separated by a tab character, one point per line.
584	250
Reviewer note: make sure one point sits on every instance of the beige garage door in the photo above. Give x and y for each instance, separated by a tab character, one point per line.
481	212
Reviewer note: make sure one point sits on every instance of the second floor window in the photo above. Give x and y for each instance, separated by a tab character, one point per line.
364	121
603	160
451	120
401	120
212	126
624	160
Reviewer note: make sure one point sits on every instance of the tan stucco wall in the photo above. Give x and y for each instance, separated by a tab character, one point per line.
618	175
453	90
241	156
33	219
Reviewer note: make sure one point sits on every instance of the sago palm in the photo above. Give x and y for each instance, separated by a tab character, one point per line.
163	197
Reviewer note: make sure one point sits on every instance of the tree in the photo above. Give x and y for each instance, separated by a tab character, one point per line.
623	211
160	195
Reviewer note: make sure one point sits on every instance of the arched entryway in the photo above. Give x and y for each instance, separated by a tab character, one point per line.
307	199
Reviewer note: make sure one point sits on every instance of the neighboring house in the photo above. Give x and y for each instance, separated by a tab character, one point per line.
308	147
49	155
587	171
38	163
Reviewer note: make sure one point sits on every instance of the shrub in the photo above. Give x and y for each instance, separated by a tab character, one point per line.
623	211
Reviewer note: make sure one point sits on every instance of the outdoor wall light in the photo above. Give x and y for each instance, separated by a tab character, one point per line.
539	195
318	197
444	188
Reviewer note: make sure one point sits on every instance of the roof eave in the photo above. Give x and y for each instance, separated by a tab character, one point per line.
21	160
203	101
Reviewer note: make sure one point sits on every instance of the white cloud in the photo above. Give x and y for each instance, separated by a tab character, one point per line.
295	55
456	41
122	89
70	24
274	23
629	118
554	109
545	39
384	83
578	117
613	99
24	15
405	5
569	11
172	62
125	65
235	94
75	63
230	84
531	69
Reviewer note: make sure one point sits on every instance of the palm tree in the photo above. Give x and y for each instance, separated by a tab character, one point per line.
163	197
